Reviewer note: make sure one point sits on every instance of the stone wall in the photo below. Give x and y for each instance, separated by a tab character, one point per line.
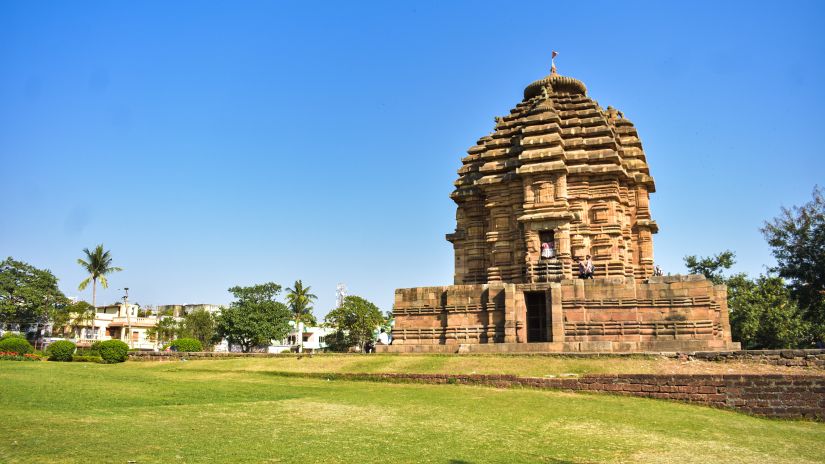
678	307
795	358
673	313
177	356
780	396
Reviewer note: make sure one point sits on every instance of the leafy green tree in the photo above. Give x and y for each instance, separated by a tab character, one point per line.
255	317
200	325
711	267
354	322
81	314
30	296
165	330
98	264
300	304
797	239
763	313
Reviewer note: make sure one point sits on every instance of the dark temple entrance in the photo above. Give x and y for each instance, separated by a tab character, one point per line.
536	316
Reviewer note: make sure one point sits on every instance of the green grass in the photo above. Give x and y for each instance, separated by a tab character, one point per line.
528	366
219	411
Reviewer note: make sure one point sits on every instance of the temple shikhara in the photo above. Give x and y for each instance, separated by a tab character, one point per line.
559	179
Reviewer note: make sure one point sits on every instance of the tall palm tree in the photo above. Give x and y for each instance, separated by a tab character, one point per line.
300	301
98	264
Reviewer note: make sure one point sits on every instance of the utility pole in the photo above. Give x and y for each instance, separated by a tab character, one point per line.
128	317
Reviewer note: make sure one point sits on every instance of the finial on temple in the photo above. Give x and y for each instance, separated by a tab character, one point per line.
553	63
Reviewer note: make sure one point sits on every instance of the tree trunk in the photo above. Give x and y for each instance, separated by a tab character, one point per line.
300	337
94	307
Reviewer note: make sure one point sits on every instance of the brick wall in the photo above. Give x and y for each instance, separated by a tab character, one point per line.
785	396
798	358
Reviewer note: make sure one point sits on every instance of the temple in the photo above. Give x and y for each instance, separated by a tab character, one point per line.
560	179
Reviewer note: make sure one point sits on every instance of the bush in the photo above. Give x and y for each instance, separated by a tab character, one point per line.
61	350
86	352
10	356
113	351
91	359
186	344
12	335
16	345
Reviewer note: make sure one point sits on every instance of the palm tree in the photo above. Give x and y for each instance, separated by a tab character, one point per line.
98	264
300	301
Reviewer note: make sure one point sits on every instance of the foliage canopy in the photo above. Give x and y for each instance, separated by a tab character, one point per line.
797	239
29	295
255	317
354	322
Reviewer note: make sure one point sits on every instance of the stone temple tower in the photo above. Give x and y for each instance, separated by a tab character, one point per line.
562	170
560	178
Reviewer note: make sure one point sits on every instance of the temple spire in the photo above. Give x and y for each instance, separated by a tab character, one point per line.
553	63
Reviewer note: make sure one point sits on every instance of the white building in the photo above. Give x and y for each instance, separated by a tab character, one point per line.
314	340
117	322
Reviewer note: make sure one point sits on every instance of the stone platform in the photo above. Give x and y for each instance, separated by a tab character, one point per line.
673	313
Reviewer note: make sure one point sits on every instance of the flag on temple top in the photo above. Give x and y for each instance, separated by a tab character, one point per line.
555	54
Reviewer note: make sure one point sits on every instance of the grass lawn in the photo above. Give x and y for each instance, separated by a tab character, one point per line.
237	411
527	366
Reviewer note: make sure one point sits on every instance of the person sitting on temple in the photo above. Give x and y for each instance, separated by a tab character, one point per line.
589	268
581	268
383	338
657	271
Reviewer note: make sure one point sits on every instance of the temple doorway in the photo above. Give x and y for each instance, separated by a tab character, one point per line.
536	303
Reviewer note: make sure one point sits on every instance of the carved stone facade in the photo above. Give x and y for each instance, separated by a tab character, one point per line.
560	166
562	173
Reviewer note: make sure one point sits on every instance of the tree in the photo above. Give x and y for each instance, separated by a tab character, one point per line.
300	300
354	322
199	324
763	313
82	314
797	237
255	317
30	296
98	264
165	330
711	267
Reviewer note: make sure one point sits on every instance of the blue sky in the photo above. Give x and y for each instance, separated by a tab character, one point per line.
211	144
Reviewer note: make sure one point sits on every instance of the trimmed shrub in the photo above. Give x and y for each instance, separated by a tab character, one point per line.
16	345
113	351
12	335
89	359
61	350
186	344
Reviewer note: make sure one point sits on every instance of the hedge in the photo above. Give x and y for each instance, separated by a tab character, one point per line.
189	345
91	359
61	350
9	356
16	345
113	351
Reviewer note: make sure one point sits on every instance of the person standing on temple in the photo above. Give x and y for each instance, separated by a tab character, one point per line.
546	251
589	268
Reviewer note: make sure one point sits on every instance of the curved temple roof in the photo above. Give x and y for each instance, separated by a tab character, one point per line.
557	127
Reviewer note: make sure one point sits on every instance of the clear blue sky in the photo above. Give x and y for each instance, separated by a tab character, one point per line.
209	144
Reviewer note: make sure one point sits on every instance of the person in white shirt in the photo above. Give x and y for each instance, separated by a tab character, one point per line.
383	338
